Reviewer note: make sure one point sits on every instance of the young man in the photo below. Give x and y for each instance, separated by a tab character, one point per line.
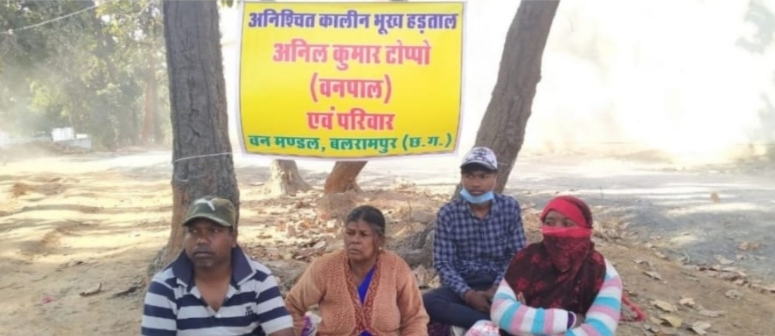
213	288
476	237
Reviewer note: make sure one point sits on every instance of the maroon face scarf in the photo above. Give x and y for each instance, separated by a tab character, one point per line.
564	270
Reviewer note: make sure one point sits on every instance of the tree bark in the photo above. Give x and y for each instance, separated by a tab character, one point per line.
504	122
343	176
202	161
285	179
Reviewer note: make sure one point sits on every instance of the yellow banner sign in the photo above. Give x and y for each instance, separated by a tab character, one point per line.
350	80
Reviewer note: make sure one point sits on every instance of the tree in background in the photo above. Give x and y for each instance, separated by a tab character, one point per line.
343	177
82	64
202	161
503	125
284	175
285	178
345	173
504	122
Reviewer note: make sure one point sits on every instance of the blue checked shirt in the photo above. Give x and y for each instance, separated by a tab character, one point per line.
465	246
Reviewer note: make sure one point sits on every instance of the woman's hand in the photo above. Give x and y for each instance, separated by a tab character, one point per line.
521	298
579	321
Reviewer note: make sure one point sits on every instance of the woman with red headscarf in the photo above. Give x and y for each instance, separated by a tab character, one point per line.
560	285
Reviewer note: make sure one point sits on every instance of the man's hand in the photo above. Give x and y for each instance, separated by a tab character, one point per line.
478	300
491	292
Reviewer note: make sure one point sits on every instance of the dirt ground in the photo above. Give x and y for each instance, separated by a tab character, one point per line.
78	232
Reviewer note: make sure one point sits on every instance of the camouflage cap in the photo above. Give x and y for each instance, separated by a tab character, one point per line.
219	210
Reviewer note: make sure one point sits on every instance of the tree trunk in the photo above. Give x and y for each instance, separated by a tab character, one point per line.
504	122
342	177
202	161
285	178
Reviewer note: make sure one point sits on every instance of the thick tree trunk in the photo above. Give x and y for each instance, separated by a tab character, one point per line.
202	161
285	179
343	176
504	122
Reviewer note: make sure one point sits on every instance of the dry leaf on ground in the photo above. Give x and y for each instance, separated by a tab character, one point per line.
673	321
653	275
92	291
700	327
711	313
733	294
723	261
664	306
689	302
746	246
421	274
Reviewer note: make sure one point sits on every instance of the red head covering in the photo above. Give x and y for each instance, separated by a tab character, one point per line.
571	207
564	270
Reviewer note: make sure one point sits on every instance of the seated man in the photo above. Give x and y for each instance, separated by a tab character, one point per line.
476	236
213	288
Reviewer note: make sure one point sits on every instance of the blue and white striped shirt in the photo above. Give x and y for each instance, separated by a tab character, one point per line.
252	307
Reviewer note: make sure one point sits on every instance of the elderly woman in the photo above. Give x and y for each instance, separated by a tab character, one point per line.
362	290
560	285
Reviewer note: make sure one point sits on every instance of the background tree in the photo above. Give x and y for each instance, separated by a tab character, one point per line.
345	173
202	161
343	177
503	125
80	64
505	120
285	178
284	175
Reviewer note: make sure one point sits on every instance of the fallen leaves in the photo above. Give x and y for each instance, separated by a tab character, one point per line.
92	291
748	246
700	327
733	294
672	320
711	313
422	275
653	275
731	274
129	290
664	306
688	302
723	261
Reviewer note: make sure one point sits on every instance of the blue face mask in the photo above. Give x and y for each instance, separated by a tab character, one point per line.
481	199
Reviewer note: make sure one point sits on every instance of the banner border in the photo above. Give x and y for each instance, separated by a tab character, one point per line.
238	97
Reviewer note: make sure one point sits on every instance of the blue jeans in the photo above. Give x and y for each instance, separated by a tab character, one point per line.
445	306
